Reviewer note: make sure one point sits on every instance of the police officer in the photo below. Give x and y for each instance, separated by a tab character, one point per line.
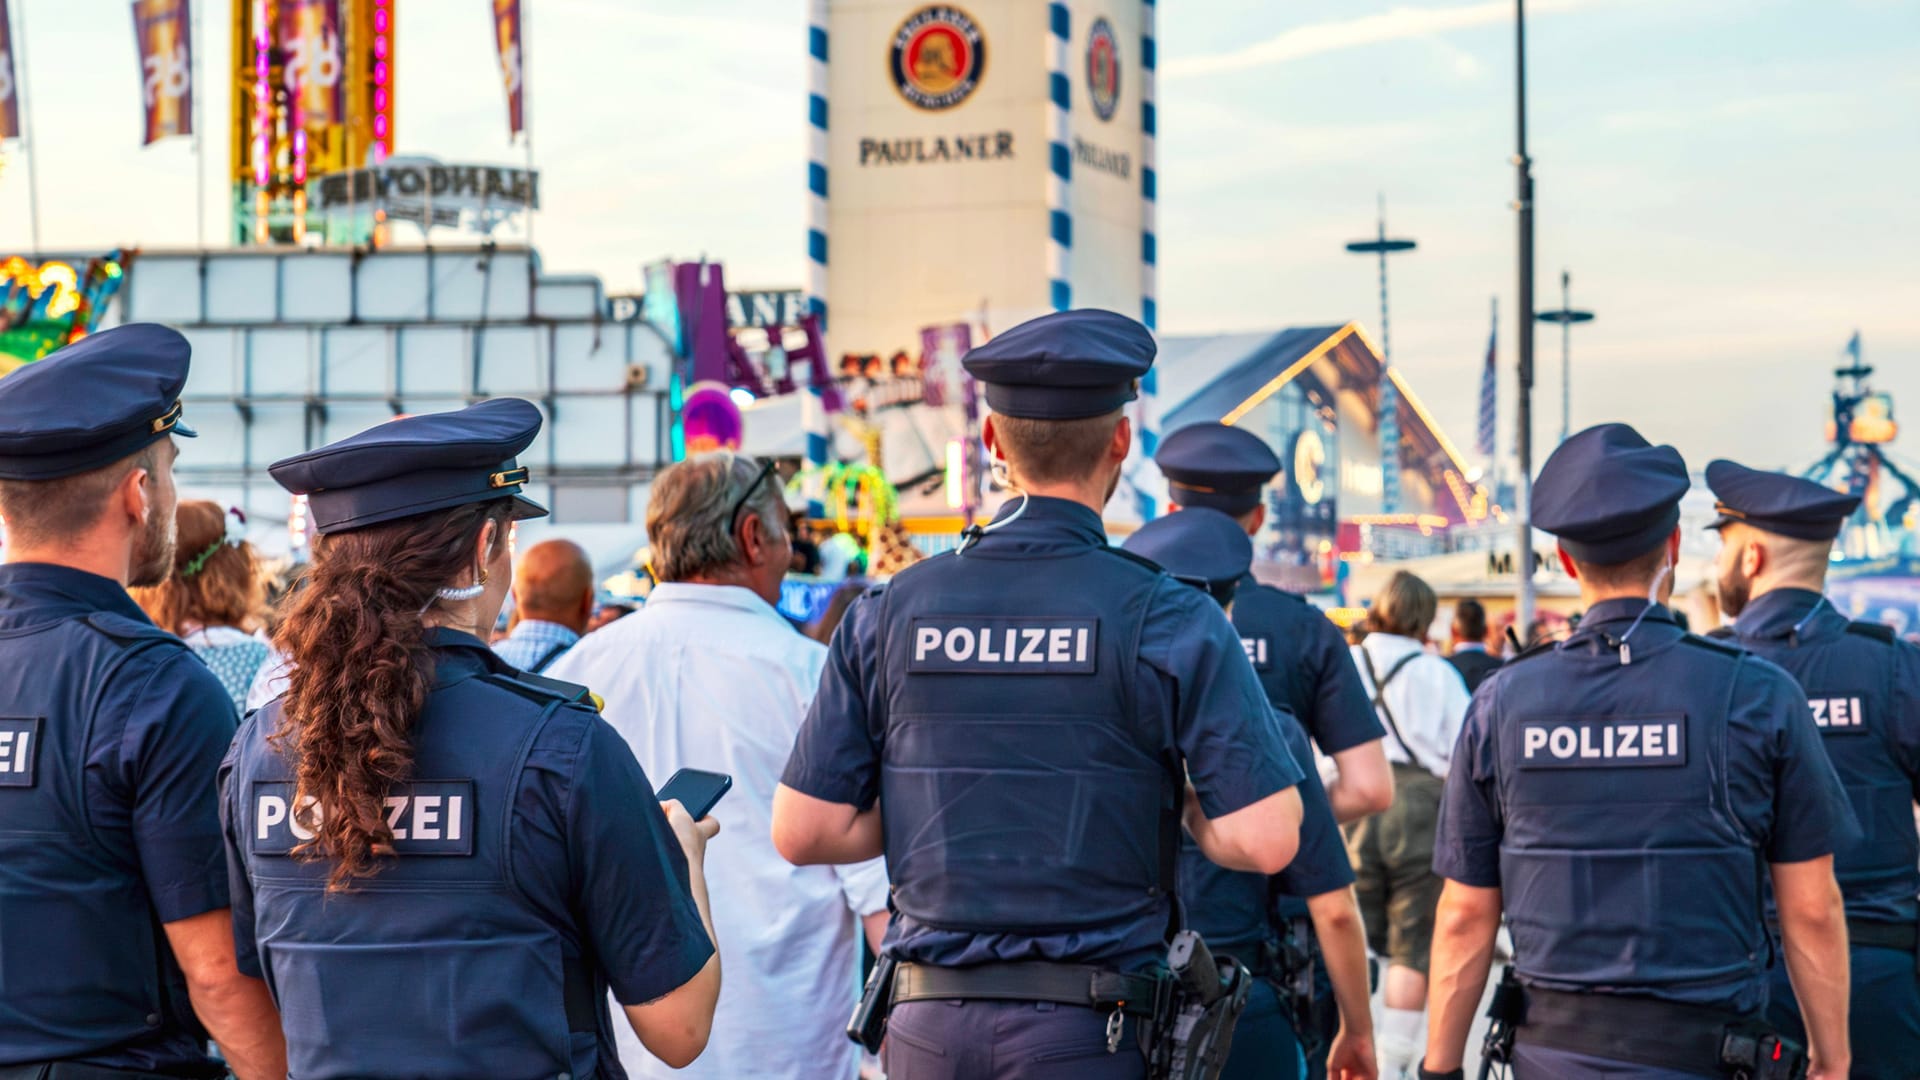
1020	714
440	864
1776	533
1623	794
1303	662
1266	921
114	922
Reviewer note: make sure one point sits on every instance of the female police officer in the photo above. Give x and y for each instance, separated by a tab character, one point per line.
441	865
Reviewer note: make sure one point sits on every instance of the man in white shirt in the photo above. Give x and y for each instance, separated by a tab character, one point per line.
1422	701
709	676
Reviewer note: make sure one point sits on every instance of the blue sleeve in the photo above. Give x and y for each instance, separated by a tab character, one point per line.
1466	844
1343	715
246	948
1904	726
836	755
1811	814
1214	690
1321	865
629	875
179	723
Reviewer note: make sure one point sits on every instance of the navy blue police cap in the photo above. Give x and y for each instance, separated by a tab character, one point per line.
1065	366
105	397
1217	466
416	465
1777	503
1199	546
1609	495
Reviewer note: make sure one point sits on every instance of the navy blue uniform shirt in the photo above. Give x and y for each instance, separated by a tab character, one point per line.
109	825
1190	675
1305	666
1720	773
449	961
1233	909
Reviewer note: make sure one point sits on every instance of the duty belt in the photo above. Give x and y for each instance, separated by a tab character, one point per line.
75	1070
1064	984
1882	935
1639	1031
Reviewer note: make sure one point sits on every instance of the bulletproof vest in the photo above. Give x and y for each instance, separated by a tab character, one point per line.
1623	866
1261	618
1024	793
438	963
1848	671
83	959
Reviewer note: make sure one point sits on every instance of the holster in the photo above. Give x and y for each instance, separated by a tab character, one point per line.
868	1026
1201	999
1289	964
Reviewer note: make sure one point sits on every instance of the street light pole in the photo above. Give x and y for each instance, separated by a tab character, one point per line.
1566	317
1523	446
1389	403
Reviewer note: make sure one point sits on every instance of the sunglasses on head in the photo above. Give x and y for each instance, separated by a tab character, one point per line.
739	504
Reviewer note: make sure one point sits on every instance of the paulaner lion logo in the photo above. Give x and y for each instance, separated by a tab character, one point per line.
1103	69
939	56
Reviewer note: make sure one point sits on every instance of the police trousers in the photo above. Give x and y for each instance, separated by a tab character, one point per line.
1006	1040
1264	1044
1883	1024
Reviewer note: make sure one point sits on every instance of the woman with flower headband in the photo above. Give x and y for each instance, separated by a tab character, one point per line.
215	596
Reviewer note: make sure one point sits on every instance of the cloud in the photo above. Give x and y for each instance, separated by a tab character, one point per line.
1823	107
1393	25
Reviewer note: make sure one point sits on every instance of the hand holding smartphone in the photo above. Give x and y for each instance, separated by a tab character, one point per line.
696	790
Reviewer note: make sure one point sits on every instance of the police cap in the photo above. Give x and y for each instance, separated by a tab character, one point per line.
417	464
1065	366
1199	546
1609	495
1216	466
1777	503
105	397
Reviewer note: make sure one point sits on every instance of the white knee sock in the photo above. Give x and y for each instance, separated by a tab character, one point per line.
1398	1041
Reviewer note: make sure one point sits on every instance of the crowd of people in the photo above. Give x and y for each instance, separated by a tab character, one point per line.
358	825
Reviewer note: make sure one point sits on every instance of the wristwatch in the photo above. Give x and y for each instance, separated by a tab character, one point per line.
1429	1074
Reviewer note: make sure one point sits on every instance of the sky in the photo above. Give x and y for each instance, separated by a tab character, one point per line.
1730	182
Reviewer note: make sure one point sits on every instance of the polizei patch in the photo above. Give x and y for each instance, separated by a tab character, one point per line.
1835	714
1604	742
938	57
1259	652
428	817
19	750
1002	645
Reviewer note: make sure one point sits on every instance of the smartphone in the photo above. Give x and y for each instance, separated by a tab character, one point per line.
697	790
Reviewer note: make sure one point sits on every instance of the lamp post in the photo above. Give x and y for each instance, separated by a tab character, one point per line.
1566	317
1389	402
1523	410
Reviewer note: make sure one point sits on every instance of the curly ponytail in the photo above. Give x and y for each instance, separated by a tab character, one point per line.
361	672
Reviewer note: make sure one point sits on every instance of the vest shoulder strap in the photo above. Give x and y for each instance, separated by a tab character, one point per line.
125	630
1725	648
1537	649
545	691
1144	562
1879	632
1722	633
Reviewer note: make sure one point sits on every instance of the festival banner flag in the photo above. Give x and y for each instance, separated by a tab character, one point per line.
162	33
310	32
1490	391
506	32
9	101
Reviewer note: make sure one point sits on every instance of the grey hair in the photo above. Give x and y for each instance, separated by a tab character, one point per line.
688	509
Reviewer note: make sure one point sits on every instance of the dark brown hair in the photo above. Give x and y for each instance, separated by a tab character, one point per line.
361	671
1405	605
227	589
49	511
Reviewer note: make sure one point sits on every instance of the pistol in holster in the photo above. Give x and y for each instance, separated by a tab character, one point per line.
1201	998
1505	1013
1290	964
868	1027
1754	1052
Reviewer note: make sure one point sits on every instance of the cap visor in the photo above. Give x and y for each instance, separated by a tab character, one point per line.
181	429
1718	523
524	508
